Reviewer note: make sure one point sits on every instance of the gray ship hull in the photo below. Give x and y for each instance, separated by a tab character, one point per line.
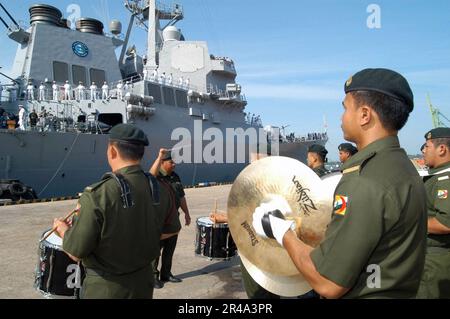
63	164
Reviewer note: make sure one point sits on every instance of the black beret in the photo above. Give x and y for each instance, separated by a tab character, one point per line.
347	147
167	156
319	149
128	133
383	81
439	132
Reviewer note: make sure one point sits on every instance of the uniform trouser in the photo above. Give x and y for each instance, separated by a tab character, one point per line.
138	285
168	248
435	282
253	289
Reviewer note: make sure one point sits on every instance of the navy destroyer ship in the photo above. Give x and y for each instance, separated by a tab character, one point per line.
75	87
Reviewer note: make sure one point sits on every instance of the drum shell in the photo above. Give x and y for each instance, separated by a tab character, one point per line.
214	241
53	271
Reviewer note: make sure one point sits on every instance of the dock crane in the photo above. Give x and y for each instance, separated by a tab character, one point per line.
437	116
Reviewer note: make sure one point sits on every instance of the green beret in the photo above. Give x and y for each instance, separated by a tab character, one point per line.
383	81
347	147
128	133
319	149
439	132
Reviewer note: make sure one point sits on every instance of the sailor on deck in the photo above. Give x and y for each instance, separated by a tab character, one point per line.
30	91
105	91
55	88
145	73
162	78
42	92
120	90
170	79
80	90
93	91
22	118
155	75
180	82
67	91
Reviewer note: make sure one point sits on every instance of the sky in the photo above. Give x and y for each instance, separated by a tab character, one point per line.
294	56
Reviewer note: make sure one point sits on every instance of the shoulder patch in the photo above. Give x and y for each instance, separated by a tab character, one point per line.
442	194
340	204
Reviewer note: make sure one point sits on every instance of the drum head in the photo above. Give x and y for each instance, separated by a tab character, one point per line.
204	221
53	239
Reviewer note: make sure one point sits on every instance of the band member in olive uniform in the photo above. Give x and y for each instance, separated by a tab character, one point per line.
163	168
316	158
374	246
346	150
116	232
436	277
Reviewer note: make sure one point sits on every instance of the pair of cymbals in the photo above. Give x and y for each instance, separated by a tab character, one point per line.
309	198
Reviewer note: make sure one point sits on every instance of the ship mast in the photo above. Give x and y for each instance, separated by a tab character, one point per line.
155	14
153	27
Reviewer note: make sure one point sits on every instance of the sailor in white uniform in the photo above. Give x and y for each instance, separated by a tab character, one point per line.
22	118
30	91
105	91
94	91
42	92
80	89
170	79
55	88
67	91
120	90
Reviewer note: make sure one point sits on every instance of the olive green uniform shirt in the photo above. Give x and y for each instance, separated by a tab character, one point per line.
173	225
378	223
120	243
438	202
435	281
320	170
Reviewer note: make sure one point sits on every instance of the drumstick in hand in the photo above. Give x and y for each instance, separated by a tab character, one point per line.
64	220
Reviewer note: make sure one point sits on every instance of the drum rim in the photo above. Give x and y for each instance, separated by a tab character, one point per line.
46	243
211	224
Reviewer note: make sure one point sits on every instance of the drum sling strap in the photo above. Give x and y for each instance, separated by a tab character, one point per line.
125	192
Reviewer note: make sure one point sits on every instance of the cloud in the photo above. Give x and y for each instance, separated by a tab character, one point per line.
293	92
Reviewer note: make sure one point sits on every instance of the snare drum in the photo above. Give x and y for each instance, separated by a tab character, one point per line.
214	241
57	274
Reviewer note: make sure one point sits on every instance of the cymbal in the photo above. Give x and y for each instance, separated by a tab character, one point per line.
286	286
307	195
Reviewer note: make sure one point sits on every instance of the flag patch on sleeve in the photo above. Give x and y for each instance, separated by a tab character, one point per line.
340	204
442	194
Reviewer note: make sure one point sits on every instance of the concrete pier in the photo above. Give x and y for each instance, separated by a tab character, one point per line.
21	227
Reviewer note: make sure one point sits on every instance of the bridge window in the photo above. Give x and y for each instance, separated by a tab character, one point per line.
181	98
168	96
97	76
60	72
155	91
79	74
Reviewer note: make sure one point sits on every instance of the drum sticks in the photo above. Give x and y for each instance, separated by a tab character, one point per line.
64	220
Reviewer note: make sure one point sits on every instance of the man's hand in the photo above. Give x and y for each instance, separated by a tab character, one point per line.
61	227
187	218
269	222
162	152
